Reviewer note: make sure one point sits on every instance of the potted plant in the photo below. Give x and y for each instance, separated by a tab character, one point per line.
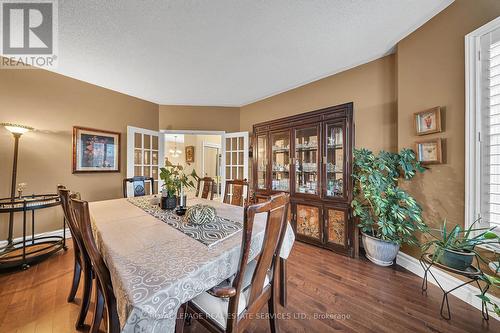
174	180
456	248
388	215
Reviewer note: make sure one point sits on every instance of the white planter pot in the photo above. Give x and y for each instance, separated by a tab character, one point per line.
378	251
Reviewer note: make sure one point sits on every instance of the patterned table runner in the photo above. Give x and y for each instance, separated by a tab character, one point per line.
209	233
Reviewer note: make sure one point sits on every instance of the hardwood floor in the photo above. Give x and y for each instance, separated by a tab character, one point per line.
327	293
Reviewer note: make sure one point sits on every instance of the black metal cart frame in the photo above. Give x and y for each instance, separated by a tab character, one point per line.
17	254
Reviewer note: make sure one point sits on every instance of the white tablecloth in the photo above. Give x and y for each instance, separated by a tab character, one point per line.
156	268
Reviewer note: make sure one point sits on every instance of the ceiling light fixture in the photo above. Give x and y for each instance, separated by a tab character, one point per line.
175	152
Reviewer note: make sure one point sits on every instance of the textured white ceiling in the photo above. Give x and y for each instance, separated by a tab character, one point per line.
226	52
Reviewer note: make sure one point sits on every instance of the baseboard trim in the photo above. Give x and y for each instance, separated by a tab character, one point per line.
55	233
466	293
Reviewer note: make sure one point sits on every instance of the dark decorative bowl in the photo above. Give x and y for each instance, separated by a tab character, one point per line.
180	211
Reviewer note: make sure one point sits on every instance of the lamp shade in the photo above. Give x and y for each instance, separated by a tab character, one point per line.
16	128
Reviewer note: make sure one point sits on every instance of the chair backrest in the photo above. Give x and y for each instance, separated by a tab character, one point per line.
208	187
139	185
234	192
80	211
76	235
276	210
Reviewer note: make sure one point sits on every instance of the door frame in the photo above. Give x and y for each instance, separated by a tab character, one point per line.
216	146
131	149
209	145
222	147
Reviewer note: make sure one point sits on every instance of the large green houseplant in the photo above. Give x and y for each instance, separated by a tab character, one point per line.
388	215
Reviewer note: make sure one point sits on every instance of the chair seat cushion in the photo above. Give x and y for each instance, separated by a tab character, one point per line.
217	308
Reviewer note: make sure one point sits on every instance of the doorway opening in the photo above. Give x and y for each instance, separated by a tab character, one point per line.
199	152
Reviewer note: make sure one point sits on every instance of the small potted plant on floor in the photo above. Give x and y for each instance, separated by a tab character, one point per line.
456	248
174	180
388	215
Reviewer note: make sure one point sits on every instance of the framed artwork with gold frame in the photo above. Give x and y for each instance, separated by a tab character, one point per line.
189	154
95	150
429	151
428	121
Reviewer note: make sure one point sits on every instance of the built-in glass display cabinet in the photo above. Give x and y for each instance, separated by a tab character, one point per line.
310	156
280	174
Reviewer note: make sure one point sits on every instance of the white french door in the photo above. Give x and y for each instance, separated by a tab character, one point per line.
235	152
145	156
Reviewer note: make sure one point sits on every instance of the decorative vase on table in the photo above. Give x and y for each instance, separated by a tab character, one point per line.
168	201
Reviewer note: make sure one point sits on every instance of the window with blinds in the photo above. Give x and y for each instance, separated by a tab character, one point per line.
489	136
483	126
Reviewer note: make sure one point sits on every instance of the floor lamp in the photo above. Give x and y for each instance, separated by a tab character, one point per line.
17	131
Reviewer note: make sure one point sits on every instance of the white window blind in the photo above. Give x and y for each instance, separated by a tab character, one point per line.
488	79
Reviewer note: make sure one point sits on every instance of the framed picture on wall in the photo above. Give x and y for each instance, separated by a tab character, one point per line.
429	152
95	150
189	154
428	121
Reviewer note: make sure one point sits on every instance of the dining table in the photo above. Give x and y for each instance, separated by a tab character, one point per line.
157	264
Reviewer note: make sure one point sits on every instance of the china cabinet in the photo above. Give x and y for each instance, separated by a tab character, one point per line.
310	156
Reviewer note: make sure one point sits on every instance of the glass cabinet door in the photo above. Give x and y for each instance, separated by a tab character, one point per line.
335	160
306	160
280	180
308	221
261	161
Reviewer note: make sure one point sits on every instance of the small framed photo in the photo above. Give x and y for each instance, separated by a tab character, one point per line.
429	152
428	121
95	150
189	154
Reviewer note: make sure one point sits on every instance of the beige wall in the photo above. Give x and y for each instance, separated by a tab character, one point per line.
53	104
370	87
210	118
430	72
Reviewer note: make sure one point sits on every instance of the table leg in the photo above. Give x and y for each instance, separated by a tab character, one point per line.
25	265
283	281
33	227
180	320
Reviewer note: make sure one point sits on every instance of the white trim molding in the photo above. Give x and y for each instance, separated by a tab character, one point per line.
467	293
55	233
473	122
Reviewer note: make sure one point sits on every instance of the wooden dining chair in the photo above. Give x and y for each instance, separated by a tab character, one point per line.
208	187
104	295
82	265
234	192
229	307
139	184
